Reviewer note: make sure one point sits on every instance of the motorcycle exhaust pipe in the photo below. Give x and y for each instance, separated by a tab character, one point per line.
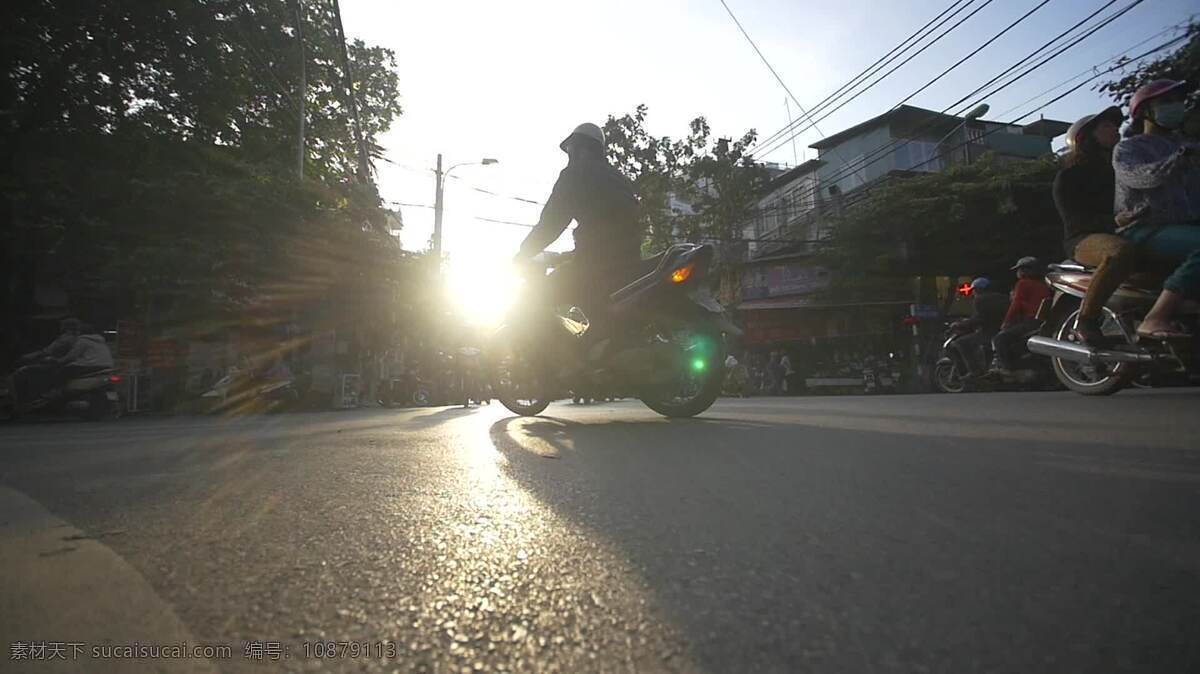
1078	353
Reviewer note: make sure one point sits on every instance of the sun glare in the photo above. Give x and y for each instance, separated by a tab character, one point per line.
481	289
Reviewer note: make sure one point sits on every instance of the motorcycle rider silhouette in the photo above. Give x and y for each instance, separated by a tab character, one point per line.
601	201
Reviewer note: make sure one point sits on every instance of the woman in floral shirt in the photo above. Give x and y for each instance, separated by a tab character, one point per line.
1158	186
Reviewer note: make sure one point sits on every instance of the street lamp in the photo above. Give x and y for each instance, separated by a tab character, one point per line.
977	112
440	183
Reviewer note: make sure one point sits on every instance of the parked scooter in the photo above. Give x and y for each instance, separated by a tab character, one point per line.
1123	359
92	396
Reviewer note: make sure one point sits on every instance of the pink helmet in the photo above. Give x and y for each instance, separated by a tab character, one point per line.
1152	90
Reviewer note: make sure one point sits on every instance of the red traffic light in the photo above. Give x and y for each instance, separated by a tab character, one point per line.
965	290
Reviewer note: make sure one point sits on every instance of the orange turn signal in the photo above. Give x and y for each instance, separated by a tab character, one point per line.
683	273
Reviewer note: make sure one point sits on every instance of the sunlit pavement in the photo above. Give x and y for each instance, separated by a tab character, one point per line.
999	533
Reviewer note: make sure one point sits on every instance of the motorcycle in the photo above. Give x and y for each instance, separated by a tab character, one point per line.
665	342
93	396
1123	359
470	383
409	389
246	390
950	372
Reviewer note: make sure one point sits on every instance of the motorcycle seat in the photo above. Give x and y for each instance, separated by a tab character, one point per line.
1142	281
90	379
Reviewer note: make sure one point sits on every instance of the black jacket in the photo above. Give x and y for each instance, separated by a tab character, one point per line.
1084	195
988	314
602	203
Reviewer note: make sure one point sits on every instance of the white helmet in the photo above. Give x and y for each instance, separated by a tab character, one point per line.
1085	123
587	130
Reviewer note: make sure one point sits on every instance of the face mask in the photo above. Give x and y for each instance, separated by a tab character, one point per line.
1170	115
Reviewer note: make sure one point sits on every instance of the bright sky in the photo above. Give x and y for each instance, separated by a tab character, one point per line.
481	78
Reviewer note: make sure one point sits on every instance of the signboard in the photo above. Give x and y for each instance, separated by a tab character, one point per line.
926	312
784	278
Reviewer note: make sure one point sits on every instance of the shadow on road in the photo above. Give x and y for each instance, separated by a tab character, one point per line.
809	546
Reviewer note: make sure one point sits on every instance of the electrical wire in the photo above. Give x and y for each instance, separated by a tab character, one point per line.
1094	71
879	64
826	114
1032	55
879	153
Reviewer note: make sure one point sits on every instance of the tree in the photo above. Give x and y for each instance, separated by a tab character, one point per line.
714	177
150	156
1182	63
971	219
653	164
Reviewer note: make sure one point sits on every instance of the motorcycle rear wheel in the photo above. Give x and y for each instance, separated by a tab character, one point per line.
518	382
1086	379
694	391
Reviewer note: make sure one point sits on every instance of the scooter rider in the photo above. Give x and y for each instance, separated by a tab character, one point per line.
89	354
1021	319
984	323
1158	182
1083	195
601	201
31	380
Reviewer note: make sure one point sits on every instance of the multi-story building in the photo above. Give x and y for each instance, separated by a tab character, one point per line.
782	299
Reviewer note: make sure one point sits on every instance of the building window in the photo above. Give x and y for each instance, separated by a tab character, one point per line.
918	155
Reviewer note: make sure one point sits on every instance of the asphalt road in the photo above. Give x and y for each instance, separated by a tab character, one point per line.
973	533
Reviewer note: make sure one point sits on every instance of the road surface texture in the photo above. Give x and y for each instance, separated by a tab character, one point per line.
973	533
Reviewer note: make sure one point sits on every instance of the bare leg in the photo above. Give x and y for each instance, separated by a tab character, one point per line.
1159	317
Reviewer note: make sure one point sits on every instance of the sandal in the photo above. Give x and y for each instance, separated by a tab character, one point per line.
1162	335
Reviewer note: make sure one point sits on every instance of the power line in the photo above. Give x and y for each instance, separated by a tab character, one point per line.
1093	70
504	222
826	114
884	150
1034	53
1066	93
975	51
468	185
767	63
964	59
477	217
1066	47
874	67
879	64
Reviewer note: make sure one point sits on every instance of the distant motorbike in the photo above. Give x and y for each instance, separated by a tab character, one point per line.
666	342
409	389
93	396
1123	359
1029	373
471	383
247	391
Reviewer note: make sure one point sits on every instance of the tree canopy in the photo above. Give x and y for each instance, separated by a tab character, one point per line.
971	219
152	151
1182	63
712	181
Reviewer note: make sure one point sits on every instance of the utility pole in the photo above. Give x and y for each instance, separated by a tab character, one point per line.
437	211
296	5
364	172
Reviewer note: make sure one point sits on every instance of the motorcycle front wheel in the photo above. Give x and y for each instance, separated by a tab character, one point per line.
947	377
